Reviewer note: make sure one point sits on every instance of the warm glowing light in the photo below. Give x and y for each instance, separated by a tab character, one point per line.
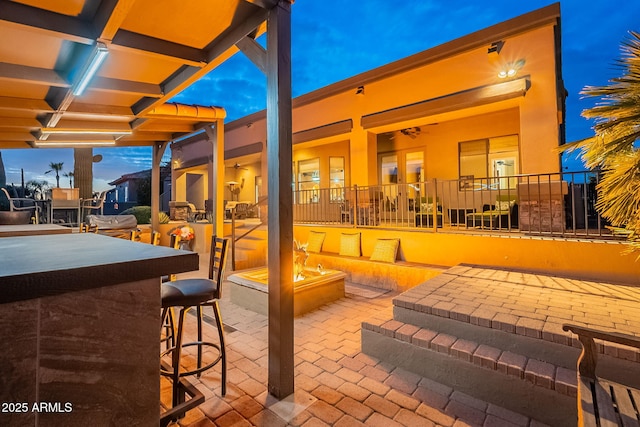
96	143
68	131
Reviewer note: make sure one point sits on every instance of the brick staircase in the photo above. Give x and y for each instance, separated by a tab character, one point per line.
497	335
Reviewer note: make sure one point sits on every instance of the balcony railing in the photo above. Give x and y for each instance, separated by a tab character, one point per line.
554	204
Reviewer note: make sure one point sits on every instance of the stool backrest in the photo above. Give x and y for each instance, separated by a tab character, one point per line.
217	261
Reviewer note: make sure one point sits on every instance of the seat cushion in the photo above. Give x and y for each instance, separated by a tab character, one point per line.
188	292
385	250
315	240
350	244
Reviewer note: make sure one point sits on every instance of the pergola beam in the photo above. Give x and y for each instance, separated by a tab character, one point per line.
41	76
144	44
35	19
110	16
216	53
256	53
126	86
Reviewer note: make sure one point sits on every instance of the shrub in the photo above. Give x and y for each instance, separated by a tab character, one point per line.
142	213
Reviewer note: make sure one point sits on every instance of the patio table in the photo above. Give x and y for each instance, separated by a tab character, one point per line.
80	327
32	230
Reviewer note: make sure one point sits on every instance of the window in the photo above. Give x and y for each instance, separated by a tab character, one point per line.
309	180
490	158
336	177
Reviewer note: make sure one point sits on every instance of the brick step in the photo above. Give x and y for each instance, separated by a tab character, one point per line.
537	372
543	339
519	383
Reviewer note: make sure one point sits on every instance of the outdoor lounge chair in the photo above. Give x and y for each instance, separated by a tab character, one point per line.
22	204
503	214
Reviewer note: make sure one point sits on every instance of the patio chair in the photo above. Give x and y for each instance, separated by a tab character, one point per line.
424	216
504	214
90	205
195	213
195	293
22	204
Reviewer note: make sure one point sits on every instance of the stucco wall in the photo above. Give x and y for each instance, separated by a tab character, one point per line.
585	259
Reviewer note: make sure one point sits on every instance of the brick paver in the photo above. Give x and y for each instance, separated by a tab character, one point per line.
352	389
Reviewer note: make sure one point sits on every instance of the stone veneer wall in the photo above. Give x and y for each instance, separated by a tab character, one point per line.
91	356
545	215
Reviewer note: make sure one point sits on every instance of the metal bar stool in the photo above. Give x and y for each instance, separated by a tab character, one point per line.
196	293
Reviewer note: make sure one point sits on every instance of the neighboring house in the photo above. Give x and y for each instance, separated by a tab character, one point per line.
135	187
460	137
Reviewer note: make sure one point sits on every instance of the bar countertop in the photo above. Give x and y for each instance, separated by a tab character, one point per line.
40	266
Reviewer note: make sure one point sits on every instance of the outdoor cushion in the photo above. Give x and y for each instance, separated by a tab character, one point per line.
385	250
350	244
314	243
504	205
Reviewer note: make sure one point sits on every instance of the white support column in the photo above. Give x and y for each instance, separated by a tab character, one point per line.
158	151
280	216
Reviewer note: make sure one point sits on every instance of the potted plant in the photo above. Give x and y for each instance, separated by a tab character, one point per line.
184	235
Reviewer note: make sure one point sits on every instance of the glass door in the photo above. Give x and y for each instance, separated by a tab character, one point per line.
400	175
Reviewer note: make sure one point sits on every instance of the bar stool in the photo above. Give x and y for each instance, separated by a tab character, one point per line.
196	293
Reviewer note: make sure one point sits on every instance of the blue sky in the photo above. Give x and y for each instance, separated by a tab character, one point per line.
331	42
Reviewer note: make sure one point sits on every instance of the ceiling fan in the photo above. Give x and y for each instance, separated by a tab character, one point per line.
237	166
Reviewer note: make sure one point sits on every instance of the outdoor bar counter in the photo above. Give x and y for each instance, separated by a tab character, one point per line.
79	326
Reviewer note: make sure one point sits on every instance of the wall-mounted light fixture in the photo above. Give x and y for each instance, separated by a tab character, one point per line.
511	69
495	48
98	55
360	90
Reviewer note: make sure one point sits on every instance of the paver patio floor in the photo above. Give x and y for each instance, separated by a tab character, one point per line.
343	386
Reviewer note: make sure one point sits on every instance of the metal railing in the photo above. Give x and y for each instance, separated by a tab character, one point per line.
232	214
553	204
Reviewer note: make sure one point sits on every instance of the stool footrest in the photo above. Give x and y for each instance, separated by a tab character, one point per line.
166	372
186	389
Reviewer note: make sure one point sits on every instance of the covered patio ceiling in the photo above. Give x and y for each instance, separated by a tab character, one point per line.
155	49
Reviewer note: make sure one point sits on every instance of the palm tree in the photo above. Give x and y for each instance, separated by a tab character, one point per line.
70	176
55	167
614	148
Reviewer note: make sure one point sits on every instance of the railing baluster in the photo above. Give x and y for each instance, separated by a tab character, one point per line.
405	205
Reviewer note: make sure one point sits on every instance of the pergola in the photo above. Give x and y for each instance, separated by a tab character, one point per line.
87	73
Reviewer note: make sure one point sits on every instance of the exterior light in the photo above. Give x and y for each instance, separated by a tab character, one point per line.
68	131
89	143
511	69
98	56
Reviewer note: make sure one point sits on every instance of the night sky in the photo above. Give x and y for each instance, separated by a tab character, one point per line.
334	41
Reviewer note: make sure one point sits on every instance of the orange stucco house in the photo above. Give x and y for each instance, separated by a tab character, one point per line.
445	125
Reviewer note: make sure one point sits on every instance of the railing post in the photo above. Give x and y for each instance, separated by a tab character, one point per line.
434	209
233	238
356	211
